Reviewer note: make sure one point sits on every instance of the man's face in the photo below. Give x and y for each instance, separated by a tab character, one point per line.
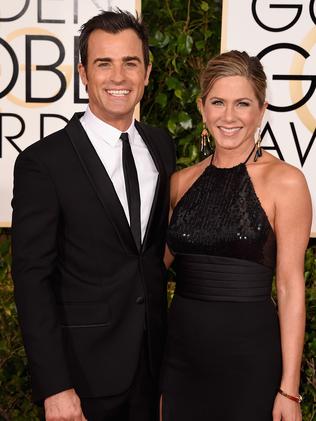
115	76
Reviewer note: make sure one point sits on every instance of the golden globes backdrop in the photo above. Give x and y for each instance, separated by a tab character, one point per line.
283	35
39	84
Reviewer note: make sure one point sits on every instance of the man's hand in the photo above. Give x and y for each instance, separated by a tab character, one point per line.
64	406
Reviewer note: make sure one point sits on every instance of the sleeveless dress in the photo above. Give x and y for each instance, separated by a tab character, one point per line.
223	354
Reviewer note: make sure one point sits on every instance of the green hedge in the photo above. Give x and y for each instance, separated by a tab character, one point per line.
183	35
308	375
15	395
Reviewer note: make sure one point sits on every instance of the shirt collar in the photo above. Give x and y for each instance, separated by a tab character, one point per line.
105	132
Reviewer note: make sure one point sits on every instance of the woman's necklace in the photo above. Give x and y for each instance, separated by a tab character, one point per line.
247	159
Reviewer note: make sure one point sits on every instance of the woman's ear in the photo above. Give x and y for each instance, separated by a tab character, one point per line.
200	106
264	107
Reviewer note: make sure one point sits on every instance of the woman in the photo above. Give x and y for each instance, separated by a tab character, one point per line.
237	217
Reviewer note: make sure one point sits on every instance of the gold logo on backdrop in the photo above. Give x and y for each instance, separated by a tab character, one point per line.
296	89
66	69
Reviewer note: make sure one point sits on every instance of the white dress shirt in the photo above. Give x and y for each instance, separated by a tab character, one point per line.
108	145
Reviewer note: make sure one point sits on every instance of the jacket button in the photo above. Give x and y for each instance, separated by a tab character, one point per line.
140	300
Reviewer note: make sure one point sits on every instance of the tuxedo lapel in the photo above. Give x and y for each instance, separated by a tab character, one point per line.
100	180
161	185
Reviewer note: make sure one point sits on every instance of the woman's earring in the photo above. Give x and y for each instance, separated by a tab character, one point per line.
258	153
206	144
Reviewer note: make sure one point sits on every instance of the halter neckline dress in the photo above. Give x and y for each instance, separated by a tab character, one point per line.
223	354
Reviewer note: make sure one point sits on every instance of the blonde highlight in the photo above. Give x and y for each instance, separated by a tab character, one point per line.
234	63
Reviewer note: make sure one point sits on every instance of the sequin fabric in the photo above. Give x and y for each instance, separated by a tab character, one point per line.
221	215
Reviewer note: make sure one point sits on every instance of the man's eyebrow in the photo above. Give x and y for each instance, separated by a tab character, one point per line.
102	60
131	58
109	59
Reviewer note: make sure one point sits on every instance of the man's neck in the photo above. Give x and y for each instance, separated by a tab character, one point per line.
119	124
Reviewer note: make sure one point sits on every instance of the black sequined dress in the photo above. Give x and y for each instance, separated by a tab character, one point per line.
223	353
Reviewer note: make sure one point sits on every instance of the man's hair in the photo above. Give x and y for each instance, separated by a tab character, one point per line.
113	22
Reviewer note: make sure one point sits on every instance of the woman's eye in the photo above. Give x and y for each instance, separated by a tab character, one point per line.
217	102
243	104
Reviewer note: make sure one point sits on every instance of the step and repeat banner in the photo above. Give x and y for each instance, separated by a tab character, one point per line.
39	83
283	35
40	87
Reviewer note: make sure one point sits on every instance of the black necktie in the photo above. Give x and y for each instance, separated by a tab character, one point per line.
132	189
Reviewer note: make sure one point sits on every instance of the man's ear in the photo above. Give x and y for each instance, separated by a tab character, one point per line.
82	74
148	70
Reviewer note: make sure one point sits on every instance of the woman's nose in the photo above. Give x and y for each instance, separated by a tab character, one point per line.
229	113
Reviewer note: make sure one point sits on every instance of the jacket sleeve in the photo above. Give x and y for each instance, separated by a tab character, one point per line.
173	152
170	152
36	217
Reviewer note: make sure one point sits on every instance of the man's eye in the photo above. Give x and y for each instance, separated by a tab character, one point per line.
131	64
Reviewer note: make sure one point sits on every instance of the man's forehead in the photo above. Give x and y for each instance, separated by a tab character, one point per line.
117	46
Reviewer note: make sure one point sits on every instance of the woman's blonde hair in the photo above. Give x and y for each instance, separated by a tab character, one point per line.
234	63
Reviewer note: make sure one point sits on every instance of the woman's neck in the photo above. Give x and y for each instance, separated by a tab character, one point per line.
227	158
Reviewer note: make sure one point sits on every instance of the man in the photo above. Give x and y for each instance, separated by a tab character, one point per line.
88	240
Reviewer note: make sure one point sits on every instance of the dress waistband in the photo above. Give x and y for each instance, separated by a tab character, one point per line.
216	278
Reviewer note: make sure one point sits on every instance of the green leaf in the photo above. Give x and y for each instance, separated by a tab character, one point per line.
194	152
159	39
4	247
178	93
174	63
172	125
208	34
200	45
185	43
189	43
151	57
173	83
158	36
185	161
161	99
164	42
204	6
185	120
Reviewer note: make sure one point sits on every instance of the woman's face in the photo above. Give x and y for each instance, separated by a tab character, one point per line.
232	113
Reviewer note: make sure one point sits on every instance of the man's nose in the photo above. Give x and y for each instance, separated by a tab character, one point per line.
117	74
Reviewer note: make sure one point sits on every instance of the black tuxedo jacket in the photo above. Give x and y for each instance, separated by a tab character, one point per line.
83	291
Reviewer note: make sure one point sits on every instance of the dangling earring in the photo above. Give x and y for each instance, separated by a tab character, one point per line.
258	153
206	144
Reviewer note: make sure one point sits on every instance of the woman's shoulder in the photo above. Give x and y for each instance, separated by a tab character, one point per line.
283	172
183	179
282	177
188	172
287	187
